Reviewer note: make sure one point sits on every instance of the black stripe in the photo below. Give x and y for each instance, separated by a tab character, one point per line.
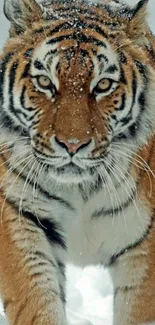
60	38
115	257
81	38
3	68
51	52
135	10
113	68
51	229
63	26
22	100
121	107
84	53
122	76
61	267
134	88
26	71
12	77
62	294
38	65
102	57
122	58
41	30
141	100
110	212
141	68
133	129
28	53
9	124
81	24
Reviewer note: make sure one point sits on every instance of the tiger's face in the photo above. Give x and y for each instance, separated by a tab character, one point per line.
77	89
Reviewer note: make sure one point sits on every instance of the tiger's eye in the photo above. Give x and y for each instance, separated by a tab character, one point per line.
44	82
104	84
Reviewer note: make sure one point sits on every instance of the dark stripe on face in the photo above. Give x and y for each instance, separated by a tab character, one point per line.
41	30
51	52
28	53
122	76
81	38
141	101
122	106
64	26
133	129
3	68
84	55
102	57
22	100
112	69
38	65
114	211
141	68
9	124
122	58
134	87
81	24
51	229
12	76
26	71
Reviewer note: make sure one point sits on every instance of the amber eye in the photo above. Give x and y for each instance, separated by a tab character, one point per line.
44	82
104	85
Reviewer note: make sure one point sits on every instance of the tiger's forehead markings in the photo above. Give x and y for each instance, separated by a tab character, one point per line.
102	59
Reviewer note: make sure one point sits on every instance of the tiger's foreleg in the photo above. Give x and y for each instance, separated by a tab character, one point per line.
133	277
31	273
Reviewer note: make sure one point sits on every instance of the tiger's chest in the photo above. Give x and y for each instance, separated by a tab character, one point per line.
97	227
102	226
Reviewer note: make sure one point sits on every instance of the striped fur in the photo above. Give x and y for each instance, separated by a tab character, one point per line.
77	84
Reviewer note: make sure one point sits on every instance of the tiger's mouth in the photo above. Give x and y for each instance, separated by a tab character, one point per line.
67	169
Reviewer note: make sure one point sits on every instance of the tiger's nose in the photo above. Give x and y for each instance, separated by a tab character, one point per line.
72	145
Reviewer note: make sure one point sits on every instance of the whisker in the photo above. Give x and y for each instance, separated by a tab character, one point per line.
9	189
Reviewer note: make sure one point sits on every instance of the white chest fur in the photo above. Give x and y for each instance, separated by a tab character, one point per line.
95	239
98	228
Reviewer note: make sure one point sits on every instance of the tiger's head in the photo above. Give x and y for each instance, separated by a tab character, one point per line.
78	80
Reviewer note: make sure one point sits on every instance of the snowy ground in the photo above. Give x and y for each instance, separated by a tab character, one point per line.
89	295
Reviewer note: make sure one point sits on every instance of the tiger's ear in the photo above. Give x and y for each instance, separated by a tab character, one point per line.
21	13
138	21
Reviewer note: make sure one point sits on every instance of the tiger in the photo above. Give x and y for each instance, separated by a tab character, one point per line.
77	156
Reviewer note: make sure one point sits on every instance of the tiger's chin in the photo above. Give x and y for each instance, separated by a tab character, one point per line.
71	175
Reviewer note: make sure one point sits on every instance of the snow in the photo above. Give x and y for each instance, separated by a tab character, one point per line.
89	297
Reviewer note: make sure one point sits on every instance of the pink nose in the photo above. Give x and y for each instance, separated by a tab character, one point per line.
71	145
